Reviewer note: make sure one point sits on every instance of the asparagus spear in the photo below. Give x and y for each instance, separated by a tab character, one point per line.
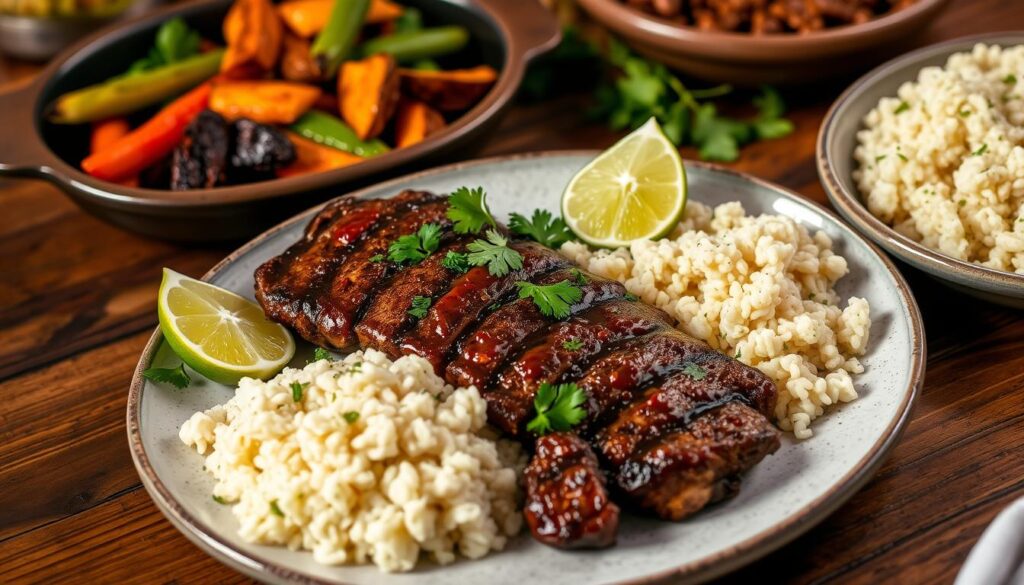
335	41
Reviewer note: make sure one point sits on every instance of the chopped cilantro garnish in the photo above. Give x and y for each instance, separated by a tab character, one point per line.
416	247
275	509
573	344
467	208
219	500
631	297
495	254
981	150
377	258
350	416
419	306
578	276
322	354
1010	79
176	377
553	300
456	262
297	391
880	158
903	107
542	228
694	371
558	408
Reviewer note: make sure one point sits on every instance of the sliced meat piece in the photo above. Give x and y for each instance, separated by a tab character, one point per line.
550	358
338	305
258	151
680	473
675	403
470	296
286	285
567	505
387	316
201	160
501	333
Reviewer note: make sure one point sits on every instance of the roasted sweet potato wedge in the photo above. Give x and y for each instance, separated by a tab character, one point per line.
448	91
306	18
266	102
296	62
368	92
415	121
253	32
311	157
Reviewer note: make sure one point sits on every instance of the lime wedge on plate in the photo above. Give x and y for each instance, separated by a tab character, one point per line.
218	333
635	190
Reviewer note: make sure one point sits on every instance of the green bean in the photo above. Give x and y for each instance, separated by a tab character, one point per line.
335	41
128	93
330	131
409	47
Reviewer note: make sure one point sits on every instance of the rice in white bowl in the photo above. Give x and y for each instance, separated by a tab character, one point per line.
758	288
943	162
362	460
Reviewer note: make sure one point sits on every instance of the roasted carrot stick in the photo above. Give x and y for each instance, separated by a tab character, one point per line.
149	142
107	132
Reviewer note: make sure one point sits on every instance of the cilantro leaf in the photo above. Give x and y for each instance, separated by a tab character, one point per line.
495	254
631	297
322	354
694	371
419	306
376	258
416	247
558	408
176	377
578	276
903	107
456	262
297	389
553	300
350	416
467	208
275	509
541	227
573	344
219	500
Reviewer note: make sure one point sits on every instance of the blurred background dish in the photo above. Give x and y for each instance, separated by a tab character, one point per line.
37	30
815	54
837	141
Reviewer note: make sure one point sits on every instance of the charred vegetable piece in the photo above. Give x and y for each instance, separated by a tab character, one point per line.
296	62
414	122
311	157
150	142
368	94
308	17
266	102
409	47
330	131
200	161
448	90
123	95
335	41
259	149
253	32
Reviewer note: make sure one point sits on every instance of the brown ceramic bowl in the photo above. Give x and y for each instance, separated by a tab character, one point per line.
504	34
747	60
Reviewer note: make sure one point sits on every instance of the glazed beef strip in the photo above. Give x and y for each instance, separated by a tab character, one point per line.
671	422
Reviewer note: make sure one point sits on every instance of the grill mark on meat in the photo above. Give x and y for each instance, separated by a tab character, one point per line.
670	406
470	295
286	286
485	350
687	470
546	359
386	317
567	504
340	303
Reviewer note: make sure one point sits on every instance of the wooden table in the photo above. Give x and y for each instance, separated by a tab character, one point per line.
77	304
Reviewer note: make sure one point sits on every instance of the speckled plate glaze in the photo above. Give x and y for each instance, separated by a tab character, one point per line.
781	498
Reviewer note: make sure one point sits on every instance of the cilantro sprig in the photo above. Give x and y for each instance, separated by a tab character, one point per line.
322	354
467	208
176	377
558	407
542	228
419	306
494	253
553	300
416	247
456	262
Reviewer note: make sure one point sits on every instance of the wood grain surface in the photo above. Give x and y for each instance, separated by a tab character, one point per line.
77	302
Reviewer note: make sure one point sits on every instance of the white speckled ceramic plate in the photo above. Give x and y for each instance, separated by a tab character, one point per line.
781	498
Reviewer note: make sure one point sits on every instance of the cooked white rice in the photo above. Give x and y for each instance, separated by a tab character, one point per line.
943	162
758	288
415	471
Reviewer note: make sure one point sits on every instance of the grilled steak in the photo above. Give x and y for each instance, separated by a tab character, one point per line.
670	422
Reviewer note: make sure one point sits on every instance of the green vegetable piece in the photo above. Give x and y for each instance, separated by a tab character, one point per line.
467	208
129	93
495	254
322	354
419	307
572	344
456	262
415	248
335	41
541	227
331	131
297	389
219	500
350	416
412	46
176	377
426	65
175	41
553	300
558	408
694	371
275	509
411	20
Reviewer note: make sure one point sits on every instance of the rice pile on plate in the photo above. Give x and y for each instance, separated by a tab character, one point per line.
361	460
757	288
943	163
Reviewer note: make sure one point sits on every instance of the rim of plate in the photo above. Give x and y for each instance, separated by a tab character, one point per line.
700	570
850	204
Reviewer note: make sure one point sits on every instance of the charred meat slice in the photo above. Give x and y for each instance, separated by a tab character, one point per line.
258	151
567	505
675	403
339	304
201	160
484	351
563	352
387	315
470	295
680	473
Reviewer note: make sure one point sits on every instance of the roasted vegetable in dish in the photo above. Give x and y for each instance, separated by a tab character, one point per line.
299	87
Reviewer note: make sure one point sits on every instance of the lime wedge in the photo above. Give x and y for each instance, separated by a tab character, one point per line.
635	190
218	333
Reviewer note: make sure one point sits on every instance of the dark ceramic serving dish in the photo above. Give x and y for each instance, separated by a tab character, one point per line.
506	34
